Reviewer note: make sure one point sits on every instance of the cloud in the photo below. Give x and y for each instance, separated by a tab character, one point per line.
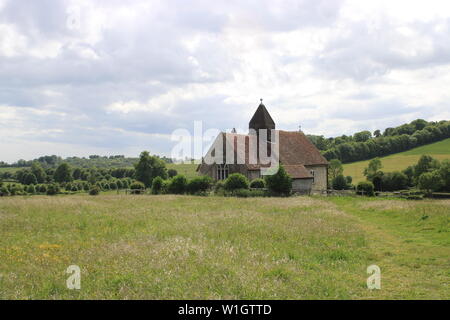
121	77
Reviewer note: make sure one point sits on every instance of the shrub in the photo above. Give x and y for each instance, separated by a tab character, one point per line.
42	188
219	186
199	185
177	184
137	186
339	183
113	186
246	193
31	189
172	173
280	182
119	184
4	191
430	181
95	190
393	181
157	185
365	188
52	189
257	184
236	181
74	188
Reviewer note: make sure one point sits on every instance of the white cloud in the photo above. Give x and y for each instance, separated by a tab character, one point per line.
132	73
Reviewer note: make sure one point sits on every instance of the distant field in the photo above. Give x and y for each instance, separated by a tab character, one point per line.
187	247
12	170
186	169
399	161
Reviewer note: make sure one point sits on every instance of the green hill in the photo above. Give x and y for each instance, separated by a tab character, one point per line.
399	161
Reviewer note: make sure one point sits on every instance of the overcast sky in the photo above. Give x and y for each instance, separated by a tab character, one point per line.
117	77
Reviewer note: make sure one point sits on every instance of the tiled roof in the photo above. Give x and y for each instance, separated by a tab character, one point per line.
295	151
298	171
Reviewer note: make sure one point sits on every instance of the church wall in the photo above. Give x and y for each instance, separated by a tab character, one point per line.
320	177
301	185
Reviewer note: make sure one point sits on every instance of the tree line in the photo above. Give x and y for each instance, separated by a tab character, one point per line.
364	145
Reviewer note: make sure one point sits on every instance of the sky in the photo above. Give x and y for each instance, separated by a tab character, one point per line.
113	77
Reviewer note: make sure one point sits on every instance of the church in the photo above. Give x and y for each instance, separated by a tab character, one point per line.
263	148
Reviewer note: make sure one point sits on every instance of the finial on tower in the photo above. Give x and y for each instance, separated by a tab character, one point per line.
261	100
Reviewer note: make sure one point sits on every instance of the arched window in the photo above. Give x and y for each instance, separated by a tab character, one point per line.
222	171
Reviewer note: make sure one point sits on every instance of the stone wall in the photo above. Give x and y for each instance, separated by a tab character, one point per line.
320	177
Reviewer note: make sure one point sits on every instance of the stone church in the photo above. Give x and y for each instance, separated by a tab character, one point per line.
264	147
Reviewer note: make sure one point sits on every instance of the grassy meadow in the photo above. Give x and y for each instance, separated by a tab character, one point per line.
399	161
188	247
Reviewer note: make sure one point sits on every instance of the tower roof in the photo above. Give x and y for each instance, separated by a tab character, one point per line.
261	119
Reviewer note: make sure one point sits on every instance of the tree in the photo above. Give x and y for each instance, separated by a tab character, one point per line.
148	168
393	181
29	178
38	172
444	172
426	164
63	173
172	173
280	182
334	169
377	133
339	183
373	169
430	181
362	136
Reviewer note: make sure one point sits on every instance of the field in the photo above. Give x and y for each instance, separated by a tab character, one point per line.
187	169
399	161
175	247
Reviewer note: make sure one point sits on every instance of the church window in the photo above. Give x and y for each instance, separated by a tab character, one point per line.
222	171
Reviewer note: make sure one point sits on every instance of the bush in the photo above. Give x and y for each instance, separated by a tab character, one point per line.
172	173
177	185
280	182
52	189
137	186
430	181
393	181
219	186
199	185
4	191
257	184
365	188
236	181
31	189
42	188
157	185
95	190
246	193
339	183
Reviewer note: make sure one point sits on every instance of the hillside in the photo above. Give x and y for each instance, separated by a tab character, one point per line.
399	161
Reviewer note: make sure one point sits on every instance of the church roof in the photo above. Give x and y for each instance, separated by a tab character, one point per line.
295	152
261	119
